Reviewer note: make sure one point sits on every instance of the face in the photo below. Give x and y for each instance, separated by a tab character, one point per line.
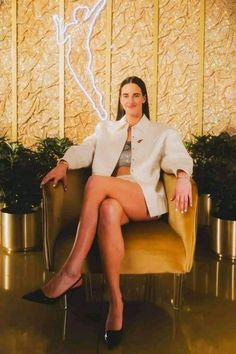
132	100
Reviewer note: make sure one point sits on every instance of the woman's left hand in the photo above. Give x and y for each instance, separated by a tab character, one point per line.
183	193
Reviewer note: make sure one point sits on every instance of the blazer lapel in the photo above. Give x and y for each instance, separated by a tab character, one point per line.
118	138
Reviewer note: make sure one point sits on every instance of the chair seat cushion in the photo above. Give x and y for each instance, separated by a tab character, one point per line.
150	247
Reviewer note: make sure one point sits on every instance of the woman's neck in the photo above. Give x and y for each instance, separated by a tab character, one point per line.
132	120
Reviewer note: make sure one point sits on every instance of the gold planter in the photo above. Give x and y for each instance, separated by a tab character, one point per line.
204	210
223	237
21	232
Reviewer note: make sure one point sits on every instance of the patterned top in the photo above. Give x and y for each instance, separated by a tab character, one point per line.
125	156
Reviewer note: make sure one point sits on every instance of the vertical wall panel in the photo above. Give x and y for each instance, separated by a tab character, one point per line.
155	61
80	117
109	26
201	66
14	51
178	64
220	66
132	44
61	78
37	71
5	69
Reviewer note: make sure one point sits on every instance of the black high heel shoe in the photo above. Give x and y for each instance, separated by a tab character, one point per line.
39	296
113	337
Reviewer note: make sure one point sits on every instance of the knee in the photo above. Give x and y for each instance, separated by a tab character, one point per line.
109	212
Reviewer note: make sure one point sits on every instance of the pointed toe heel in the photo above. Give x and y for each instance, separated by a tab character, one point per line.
39	296
112	338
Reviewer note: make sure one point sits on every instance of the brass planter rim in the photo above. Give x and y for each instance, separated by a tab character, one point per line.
21	231
7	210
223	237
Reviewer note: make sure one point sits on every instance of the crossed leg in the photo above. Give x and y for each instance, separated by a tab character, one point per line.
108	203
111	244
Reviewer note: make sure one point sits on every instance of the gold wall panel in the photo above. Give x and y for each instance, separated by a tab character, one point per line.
220	68
178	64
5	69
37	70
132	44
80	117
156	40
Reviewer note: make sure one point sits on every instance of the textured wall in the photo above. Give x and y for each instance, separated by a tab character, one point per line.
140	39
132	40
80	116
37	70
5	70
178	64
220	66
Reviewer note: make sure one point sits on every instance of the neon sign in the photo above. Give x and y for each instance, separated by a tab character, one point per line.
83	21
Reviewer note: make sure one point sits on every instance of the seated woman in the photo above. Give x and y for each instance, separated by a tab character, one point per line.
126	156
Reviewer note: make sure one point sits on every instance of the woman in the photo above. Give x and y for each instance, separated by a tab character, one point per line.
126	158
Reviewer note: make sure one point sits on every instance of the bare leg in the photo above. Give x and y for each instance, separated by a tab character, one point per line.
111	245
97	189
111	217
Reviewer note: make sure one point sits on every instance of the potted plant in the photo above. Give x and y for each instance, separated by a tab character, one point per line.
202	150
223	196
49	150
21	170
21	195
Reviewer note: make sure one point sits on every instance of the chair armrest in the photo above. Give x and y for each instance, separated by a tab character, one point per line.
61	209
185	225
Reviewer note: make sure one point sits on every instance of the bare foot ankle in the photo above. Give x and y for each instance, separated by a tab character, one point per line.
115	316
61	282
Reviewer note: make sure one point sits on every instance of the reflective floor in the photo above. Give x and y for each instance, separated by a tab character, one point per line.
206	323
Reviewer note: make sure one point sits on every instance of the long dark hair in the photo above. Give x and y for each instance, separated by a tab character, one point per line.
133	80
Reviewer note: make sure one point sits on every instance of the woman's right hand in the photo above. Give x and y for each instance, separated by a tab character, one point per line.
57	174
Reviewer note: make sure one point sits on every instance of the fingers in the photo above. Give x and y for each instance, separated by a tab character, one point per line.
191	198
182	204
64	181
182	197
185	205
55	182
46	179
56	175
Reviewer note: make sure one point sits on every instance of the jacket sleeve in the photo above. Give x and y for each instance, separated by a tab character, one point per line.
79	156
174	154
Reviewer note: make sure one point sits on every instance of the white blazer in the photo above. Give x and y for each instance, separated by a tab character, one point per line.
155	146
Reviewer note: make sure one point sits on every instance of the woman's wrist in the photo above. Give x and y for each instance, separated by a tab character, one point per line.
182	174
64	162
184	177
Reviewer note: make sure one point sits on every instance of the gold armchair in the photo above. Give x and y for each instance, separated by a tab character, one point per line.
163	246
